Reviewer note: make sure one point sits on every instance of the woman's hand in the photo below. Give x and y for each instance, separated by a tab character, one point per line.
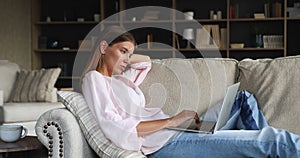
182	117
147	127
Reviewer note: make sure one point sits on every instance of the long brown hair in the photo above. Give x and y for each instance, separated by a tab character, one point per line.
112	35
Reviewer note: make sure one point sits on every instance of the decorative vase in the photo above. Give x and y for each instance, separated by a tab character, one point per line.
259	40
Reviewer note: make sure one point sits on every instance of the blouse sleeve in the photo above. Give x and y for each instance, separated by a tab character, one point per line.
138	72
122	132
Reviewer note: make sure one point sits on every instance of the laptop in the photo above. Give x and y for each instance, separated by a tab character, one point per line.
209	127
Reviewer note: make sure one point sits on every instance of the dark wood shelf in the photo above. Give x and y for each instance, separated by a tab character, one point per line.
258	19
256	49
55	50
293	18
202	49
68	77
147	21
110	22
62	50
238	30
66	23
200	20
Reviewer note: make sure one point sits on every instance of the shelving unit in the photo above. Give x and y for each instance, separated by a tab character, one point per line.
65	28
57	20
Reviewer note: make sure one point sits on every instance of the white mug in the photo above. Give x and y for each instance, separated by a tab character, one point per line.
97	17
12	133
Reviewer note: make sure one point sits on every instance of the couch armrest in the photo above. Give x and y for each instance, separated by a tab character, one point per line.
59	131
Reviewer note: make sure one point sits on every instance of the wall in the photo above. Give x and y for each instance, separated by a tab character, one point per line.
15	32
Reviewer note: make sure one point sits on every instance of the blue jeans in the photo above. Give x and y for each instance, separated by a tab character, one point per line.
254	139
268	142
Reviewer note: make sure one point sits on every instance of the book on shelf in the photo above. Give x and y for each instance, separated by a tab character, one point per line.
177	42
259	15
203	37
208	36
151	15
223	34
267	10
149	40
234	11
273	9
273	41
216	35
293	11
66	89
277	9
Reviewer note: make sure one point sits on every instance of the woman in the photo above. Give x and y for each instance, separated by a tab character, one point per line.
118	105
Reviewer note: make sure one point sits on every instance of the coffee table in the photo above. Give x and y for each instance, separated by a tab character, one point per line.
25	144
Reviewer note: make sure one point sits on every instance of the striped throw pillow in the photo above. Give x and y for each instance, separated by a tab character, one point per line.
36	85
77	105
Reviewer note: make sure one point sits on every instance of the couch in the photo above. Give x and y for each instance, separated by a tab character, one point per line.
27	94
173	85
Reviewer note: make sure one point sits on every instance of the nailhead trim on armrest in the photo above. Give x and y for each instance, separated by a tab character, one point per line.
50	137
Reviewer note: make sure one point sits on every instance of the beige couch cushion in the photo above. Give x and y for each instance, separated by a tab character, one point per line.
36	85
8	71
197	84
276	85
23	112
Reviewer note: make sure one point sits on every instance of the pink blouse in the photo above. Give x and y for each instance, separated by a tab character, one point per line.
118	104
